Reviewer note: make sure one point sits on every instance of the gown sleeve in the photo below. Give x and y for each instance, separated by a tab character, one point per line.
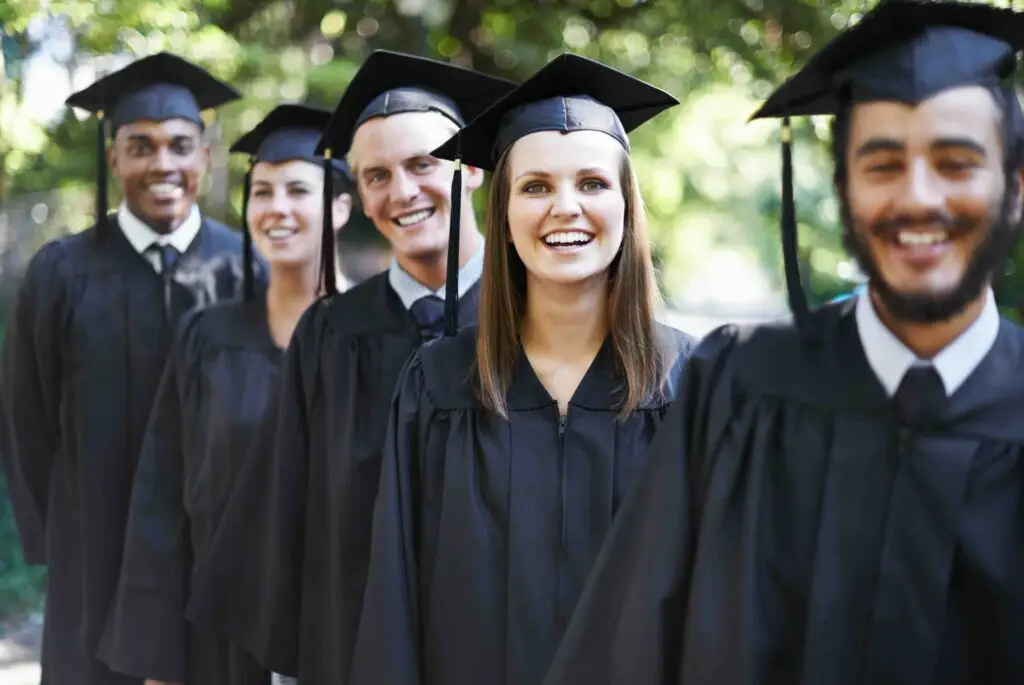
30	394
388	643
249	589
628	626
145	634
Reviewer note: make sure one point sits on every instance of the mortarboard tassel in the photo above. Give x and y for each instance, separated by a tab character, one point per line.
101	174
790	255
451	292
248	285
327	278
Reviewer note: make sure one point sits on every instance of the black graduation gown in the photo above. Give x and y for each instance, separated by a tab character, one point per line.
83	355
221	375
787	529
485	529
286	574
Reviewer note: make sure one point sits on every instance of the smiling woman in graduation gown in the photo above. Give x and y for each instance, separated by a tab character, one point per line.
221	376
826	506
88	339
286	572
512	443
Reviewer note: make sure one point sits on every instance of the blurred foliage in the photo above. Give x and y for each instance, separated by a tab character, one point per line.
711	180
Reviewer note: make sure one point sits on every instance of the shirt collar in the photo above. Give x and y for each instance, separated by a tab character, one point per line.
409	289
890	359
142	237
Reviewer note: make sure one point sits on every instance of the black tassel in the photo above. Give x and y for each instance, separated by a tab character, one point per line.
794	286
327	278
101	174
248	279
451	293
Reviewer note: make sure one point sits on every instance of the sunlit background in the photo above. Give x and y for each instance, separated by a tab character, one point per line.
710	179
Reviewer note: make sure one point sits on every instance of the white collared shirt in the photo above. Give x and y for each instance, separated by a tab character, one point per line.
890	359
409	289
142	237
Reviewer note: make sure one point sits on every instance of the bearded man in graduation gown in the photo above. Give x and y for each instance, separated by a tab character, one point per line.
86	345
286	572
838	500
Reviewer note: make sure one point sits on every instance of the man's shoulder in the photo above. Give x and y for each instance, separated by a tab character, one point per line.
366	308
221	234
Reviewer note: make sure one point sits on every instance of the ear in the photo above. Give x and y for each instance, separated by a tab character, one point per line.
472	177
204	152
341	211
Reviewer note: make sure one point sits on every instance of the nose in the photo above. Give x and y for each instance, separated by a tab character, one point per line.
566	202
922	192
278	203
162	160
403	188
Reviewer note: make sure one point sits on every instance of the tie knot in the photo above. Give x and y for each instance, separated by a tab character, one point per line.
920	397
429	313
168	255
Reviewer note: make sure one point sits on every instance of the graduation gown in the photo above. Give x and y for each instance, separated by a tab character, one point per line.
788	530
220	377
84	351
485	529
286	574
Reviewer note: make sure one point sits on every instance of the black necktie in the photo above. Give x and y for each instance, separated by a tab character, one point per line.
920	397
429	314
168	255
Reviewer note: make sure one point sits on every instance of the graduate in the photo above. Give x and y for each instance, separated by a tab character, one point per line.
837	499
286	574
221	375
512	443
87	342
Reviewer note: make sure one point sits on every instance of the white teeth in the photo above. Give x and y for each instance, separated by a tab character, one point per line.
919	238
568	238
414	218
163	188
275	233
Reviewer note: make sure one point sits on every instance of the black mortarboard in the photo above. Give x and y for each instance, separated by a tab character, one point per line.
291	132
395	83
154	88
904	51
570	93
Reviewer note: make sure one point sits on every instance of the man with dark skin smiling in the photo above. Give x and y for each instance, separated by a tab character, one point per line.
87	341
838	500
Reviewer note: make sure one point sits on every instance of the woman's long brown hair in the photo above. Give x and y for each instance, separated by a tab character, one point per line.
642	359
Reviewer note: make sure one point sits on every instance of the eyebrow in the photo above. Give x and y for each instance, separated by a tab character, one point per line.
892	145
370	171
589	171
955	142
145	138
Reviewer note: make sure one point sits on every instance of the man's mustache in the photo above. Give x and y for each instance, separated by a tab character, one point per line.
932	220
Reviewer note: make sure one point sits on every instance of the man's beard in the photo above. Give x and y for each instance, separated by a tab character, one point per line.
986	263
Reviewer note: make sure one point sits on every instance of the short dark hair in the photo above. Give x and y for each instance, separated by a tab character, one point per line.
1012	123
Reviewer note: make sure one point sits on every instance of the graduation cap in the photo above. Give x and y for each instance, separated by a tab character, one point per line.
391	83
570	93
902	51
155	88
291	132
394	83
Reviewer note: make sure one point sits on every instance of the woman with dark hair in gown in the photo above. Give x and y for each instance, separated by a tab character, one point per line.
221	375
